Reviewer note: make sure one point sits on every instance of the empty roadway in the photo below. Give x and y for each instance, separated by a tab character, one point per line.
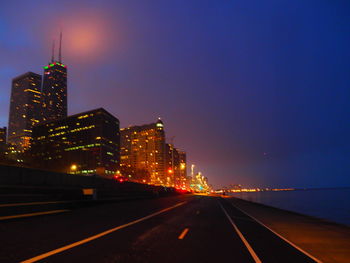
185	228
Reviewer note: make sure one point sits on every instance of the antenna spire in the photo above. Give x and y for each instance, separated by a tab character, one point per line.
60	49
53	51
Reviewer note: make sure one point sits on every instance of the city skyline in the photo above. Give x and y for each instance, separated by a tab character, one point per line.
284	127
42	136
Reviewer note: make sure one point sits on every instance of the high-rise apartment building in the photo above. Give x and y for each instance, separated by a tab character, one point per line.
54	89
3	147
185	181
143	148
176	167
25	109
86	143
172	165
3	132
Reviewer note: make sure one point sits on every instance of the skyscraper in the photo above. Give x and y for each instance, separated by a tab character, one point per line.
54	89
143	147
3	147
3	132
2	138
25	108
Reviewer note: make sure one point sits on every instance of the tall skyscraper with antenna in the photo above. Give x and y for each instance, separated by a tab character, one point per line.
54	89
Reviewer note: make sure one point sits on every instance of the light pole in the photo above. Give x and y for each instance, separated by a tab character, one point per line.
192	175
73	168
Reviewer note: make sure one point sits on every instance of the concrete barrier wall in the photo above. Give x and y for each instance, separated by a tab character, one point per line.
11	176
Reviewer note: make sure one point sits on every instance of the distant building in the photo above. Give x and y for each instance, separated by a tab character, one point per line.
25	109
3	148
185	181
169	169
183	163
54	90
86	143
176	167
172	165
143	147
3	132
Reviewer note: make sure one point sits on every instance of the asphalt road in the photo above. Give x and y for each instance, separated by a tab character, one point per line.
173	229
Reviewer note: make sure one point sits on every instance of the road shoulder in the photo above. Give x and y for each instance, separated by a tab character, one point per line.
327	241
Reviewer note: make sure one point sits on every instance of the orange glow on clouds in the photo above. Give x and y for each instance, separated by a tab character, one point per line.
85	39
86	35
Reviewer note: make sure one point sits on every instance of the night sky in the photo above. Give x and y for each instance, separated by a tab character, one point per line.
257	92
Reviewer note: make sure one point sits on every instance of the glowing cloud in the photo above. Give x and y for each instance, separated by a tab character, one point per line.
87	35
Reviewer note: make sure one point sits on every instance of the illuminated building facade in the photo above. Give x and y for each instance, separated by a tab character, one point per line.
54	92
172	165
25	109
183	161
3	132
3	148
176	167
200	183
86	143
143	148
185	181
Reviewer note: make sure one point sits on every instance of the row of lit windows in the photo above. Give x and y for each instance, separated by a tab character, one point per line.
57	134
82	147
30	90
83	128
60	128
85	116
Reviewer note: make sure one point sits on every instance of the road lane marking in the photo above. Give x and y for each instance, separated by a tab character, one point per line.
33	214
250	249
289	242
183	234
86	240
34	203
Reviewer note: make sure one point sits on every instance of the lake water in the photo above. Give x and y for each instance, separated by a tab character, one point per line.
330	204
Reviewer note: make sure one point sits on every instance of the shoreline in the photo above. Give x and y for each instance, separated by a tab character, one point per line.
325	220
326	204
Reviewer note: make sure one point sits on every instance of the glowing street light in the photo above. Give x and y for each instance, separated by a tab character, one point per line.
192	169
73	168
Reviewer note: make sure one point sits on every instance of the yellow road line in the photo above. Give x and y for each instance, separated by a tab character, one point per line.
33	214
86	240
250	249
183	234
289	242
34	203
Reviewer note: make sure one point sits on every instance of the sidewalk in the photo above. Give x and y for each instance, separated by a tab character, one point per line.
327	241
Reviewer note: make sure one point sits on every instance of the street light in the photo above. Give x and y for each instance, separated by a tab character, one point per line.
171	172
73	168
192	169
